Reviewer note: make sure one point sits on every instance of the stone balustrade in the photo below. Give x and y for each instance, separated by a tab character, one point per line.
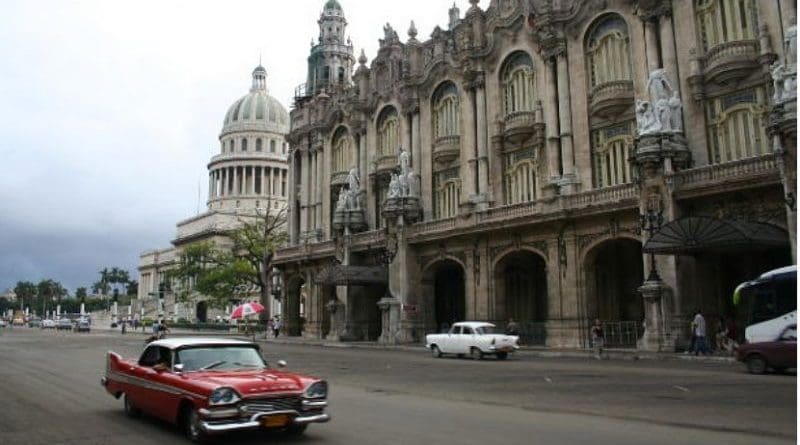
740	170
731	60
610	98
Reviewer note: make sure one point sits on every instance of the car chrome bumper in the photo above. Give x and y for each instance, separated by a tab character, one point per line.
255	422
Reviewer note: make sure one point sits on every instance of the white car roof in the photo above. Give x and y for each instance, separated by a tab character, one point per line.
779	271
175	343
473	324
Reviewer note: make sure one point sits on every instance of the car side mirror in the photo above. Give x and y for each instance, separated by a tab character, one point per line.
178	368
281	363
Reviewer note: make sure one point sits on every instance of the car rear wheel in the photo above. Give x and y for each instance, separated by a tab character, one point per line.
475	353
502	355
756	364
130	409
192	426
435	351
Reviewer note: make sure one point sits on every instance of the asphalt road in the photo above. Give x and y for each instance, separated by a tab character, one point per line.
51	395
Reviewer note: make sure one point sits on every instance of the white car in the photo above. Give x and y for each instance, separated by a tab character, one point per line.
3	323
474	338
48	324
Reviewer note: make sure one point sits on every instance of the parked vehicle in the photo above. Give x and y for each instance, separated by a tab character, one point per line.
769	304
474	338
48	324
779	354
210	386
83	326
34	323
3	323
64	324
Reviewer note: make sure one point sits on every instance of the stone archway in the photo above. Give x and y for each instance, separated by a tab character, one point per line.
520	283
449	297
614	271
296	291
201	312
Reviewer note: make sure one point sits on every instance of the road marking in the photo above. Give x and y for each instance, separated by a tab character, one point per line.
548	380
682	388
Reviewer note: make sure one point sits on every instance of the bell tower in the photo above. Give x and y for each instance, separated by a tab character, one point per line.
330	64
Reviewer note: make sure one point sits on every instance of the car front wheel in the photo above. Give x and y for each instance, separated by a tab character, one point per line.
435	351
756	364
192	426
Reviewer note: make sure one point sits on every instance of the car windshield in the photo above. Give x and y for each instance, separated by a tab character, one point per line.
485	330
219	358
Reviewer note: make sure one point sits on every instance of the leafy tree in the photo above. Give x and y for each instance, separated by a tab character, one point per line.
80	294
132	288
102	286
26	291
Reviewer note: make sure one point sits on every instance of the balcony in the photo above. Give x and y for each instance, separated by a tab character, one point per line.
610	99
385	164
729	62
521	126
756	171
446	149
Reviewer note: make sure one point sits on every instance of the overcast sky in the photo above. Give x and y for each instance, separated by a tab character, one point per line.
110	111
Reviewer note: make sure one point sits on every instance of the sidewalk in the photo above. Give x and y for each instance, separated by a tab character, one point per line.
528	351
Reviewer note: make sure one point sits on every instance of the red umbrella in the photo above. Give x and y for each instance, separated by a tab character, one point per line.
246	309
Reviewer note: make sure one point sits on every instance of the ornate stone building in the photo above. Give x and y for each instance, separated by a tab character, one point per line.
249	175
551	161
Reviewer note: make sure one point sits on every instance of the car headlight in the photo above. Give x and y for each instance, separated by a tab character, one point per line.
223	396
317	390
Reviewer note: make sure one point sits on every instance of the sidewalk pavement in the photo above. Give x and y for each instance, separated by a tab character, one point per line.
528	351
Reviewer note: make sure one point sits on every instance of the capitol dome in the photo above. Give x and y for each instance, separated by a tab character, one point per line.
257	111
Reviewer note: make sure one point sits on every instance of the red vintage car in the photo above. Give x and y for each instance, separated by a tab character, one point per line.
210	386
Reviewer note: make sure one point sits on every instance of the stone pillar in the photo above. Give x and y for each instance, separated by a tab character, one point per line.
236	186
483	157
651	42
468	161
416	157
551	123
568	179
303	194
668	52
656	333
321	185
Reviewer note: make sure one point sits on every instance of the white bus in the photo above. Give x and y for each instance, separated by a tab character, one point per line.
769	304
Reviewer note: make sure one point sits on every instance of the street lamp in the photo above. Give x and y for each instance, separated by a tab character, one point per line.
651	222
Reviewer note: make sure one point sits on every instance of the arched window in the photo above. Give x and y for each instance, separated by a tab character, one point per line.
259	146
284	148
611	148
244	144
341	74
517	79
231	144
736	125
342	156
272	146
388	132
608	51
520	176
446	193
722	21
446	118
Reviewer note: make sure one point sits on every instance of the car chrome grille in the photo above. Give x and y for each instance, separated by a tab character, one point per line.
273	404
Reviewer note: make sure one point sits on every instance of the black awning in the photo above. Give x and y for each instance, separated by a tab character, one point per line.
340	275
686	236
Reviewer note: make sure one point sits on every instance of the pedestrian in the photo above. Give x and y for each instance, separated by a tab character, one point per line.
598	338
162	329
699	328
276	327
512	328
124	324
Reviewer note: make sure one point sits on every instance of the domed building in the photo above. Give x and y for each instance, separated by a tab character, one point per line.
247	177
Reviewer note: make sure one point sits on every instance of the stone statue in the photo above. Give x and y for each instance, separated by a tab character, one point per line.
659	86
663	114
645	119
676	113
402	181
389	34
353	181
405	162
341	204
778	72
394	187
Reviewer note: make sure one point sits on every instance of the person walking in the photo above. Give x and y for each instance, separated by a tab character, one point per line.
598	338
512	328
699	331
276	327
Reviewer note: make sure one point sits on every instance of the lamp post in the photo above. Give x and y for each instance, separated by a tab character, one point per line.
651	222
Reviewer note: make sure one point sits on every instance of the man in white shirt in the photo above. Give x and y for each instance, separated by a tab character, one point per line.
699	326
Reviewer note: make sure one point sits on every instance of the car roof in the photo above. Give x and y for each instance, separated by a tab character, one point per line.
473	324
178	342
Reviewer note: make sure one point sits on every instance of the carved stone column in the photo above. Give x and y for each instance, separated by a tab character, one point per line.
551	125
568	179
483	156
468	161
